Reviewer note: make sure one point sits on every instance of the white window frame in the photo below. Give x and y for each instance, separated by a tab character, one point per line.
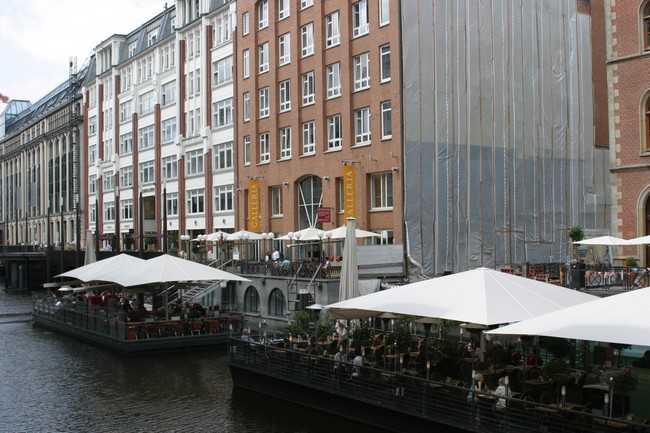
384	12
126	177
108	181
169	167
307	39
223	156
92	184
146	102
304	4
247	150
308	88
168	91
309	138
126	143
246	110
263	101
284	49
283	9
285	142
195	199
384	63
276	201
109	211
126	209
194	162
168	130
334	132
361	71
246	65
333	80
362	135
263	14
172	204
265	147
381	191
126	111
223	194
245	23
147	172
332	30
360	24
222	71
386	120
285	96
146	137
263	51
222	112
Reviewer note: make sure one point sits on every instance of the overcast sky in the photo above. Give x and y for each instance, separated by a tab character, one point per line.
38	37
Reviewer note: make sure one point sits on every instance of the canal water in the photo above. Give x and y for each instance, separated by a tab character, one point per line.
53	383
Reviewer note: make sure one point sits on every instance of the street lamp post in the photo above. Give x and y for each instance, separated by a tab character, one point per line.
186	238
164	206
202	239
328	235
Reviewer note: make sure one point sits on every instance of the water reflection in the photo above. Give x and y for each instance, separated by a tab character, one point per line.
54	383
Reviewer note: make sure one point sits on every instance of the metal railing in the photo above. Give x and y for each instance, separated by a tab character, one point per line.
438	402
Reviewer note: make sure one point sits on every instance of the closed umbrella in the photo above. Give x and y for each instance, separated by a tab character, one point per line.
349	286
91	255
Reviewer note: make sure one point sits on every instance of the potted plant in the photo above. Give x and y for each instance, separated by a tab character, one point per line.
299	322
631	262
323	329
150	242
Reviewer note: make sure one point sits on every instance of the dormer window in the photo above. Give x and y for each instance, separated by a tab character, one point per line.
152	37
132	48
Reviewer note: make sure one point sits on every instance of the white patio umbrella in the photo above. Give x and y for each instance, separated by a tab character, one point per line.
308	234
245	235
217	236
604	240
640	240
90	256
621	318
482	296
96	270
340	233
168	269
349	285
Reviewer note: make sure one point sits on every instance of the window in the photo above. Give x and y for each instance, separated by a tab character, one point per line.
384	53
125	111
381	191
284	49
168	91
126	80
334	132
333	80
172	204
92	213
222	113
309	138
109	211
386	120
285	143
251	300
277	303
223	156
221	28
194	162
168	127
265	147
147	172
133	46
308	88
189	85
92	184
109	181
646	145
247	150
126	209
195	201
108	149
360	18
92	153
306	3
245	23
126	143
646	27
263	14
145	137
384	12
168	57
283	9
263	50
222	71
146	102
223	200
285	95
126	177
246	56
264	102
197	82
332	30
170	167
152	37
361	72
307	32
92	125
276	201
362	126
310	198
247	107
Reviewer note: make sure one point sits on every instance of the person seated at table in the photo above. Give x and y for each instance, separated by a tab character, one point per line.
358	362
513	356
500	391
477	396
246	336
216	312
643	362
478	385
340	359
534	359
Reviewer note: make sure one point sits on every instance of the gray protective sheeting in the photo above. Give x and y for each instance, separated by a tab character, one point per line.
498	126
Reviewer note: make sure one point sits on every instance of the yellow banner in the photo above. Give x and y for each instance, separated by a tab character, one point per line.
349	195
254	205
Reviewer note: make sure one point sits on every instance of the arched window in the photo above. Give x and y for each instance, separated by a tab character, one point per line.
646	124
277	303
310	198
251	300
645	26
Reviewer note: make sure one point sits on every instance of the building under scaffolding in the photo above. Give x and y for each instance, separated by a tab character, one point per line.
501	154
